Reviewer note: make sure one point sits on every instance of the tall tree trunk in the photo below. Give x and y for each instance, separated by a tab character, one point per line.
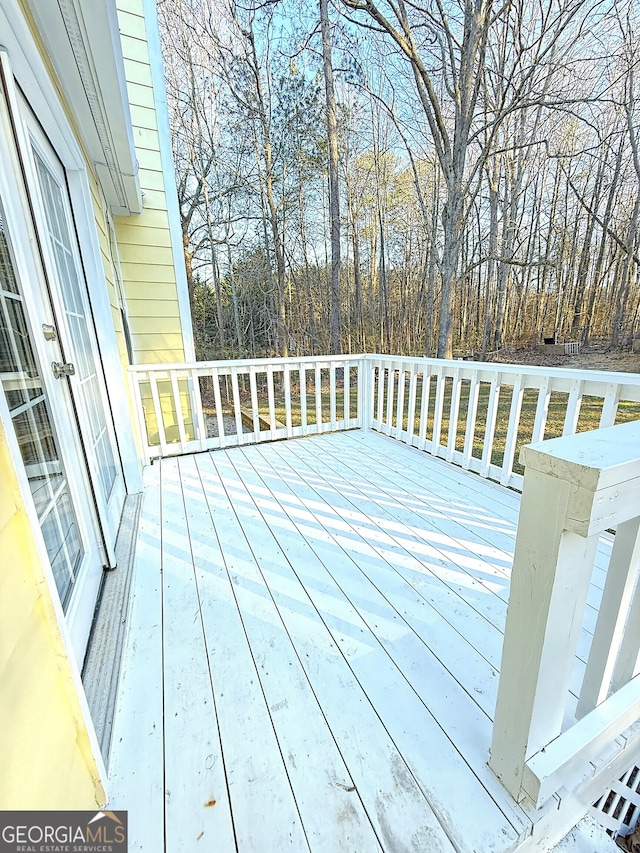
334	186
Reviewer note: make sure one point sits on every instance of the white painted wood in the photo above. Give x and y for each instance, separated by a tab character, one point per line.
380	380
136	764
551	575
573	408
454	410
411	408
197	806
178	409
437	412
303	400
333	424
141	419
253	387
382	371
400	405
157	410
512	431
435	758
215	376
324	575
237	409
542	411
627	665
424	411
490	424
388	423
472	413
365	746
271	398
562	761
287	400
318	395
610	405
196	410
264	812
612	616
346	385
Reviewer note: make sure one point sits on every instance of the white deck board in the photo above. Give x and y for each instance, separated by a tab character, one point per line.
136	766
312	660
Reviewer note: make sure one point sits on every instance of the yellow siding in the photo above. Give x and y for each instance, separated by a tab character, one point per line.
47	760
108	266
144	241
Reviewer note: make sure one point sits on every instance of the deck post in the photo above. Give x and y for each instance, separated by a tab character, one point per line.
549	586
575	488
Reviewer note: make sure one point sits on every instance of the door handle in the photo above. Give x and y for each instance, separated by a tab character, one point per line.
59	369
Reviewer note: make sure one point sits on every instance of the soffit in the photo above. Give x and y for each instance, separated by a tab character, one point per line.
83	42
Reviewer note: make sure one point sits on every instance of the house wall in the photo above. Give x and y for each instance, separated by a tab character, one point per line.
47	757
144	241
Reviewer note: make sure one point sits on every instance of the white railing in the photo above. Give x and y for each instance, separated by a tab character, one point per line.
477	415
472	414
183	408
544	743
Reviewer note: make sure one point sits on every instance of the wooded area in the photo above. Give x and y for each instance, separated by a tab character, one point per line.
409	177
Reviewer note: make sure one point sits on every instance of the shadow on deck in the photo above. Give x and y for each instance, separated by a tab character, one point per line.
312	659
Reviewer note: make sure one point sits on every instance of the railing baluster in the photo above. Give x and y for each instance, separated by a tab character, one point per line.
381	389
542	412
490	426
157	408
304	423
607	637
573	409
438	410
346	384
424	409
411	409
454	411
472	412
391	377
610	405
400	404
178	409
215	375
199	423
236	405
143	426
332	397
287	400
253	385
512	432
318	389
271	398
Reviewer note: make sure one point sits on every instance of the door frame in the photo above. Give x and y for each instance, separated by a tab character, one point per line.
109	507
28	269
23	64
23	67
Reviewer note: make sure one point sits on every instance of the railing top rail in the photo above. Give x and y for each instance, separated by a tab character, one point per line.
591	460
243	363
616	377
628	380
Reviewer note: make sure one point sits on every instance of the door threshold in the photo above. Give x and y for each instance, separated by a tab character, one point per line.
101	669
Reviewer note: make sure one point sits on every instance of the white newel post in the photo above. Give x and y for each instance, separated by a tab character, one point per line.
549	585
575	487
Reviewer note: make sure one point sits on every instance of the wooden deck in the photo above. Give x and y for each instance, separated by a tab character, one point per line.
313	652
